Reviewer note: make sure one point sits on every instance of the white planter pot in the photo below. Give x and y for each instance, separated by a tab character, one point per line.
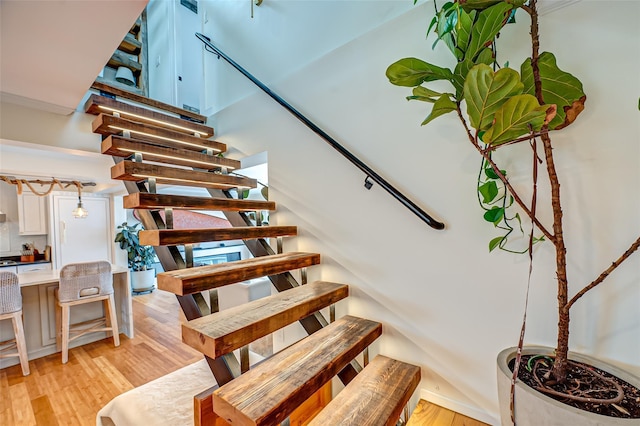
143	280
536	409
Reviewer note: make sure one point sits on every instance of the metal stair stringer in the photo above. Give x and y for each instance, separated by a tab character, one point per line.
224	368
284	281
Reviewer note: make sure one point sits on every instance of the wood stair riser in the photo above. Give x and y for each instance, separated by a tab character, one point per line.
119	146
97	105
222	332
110	125
376	397
268	393
168	237
125	94
194	280
137	172
148	201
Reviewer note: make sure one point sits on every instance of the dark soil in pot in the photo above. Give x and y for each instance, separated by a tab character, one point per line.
589	388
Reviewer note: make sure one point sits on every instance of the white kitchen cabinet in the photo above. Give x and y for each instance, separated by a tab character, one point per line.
34	267
32	214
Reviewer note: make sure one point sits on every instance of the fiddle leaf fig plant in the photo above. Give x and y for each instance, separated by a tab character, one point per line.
498	107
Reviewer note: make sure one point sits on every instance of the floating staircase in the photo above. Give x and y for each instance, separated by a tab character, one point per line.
158	145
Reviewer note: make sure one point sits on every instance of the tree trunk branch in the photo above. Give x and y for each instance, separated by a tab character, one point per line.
562	349
606	273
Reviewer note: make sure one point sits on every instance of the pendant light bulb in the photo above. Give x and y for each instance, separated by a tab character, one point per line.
79	212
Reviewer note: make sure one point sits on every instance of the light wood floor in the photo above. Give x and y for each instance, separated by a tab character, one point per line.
71	394
428	414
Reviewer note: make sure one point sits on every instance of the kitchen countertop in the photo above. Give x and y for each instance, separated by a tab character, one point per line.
41	277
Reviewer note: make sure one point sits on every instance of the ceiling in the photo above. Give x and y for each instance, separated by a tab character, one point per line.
52	50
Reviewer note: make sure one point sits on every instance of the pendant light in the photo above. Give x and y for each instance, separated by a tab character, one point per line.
124	75
79	212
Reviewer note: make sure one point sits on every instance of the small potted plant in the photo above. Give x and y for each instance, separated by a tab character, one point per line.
139	258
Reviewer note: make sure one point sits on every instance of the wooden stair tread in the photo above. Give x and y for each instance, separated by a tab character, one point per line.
121	59
107	88
268	393
130	44
222	332
169	237
119	146
376	397
97	105
133	171
148	201
193	280
105	124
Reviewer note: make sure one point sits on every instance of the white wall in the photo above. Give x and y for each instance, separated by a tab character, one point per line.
282	37
161	47
445	302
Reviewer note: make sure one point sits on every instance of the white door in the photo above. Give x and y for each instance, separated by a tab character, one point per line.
81	240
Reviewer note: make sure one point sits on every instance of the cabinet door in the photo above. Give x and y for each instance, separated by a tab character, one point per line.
9	269
32	214
34	267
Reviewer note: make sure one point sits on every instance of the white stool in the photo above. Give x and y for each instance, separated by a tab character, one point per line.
11	308
85	283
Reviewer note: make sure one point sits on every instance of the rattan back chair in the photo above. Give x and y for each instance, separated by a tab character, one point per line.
11	308
85	283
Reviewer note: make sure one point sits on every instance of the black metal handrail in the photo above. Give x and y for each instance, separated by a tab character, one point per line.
342	150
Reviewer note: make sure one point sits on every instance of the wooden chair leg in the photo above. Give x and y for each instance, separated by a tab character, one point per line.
58	323
112	319
18	330
65	333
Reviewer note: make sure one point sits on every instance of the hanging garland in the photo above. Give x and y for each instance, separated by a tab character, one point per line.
52	183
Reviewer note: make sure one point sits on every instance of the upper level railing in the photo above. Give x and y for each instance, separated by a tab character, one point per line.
370	173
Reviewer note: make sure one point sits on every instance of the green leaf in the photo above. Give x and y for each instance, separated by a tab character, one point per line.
442	106
517	217
424	94
494	215
490	21
485	57
479	4
447	21
469	5
433	22
411	72
558	87
495	243
485	92
459	75
462	70
513	118
489	191
491	174
463	34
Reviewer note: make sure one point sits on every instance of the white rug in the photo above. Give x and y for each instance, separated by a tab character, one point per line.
167	400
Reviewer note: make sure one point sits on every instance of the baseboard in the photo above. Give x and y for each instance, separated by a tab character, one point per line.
459	407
